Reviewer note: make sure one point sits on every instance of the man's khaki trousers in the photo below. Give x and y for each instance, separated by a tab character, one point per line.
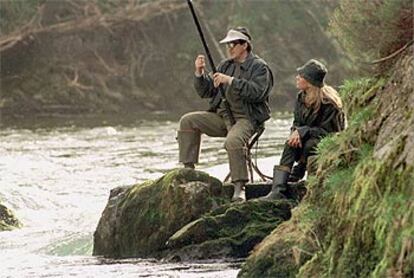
193	124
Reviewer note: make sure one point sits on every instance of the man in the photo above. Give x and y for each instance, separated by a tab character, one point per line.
247	82
318	112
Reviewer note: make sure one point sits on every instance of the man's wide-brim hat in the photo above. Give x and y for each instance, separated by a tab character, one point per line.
314	72
234	35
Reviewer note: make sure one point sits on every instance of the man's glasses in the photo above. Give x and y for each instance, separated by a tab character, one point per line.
232	44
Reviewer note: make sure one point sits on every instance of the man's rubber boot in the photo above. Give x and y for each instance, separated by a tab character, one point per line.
239	194
188	147
189	165
279	184
298	172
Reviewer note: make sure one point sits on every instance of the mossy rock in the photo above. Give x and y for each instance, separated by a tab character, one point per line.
7	219
138	220
229	231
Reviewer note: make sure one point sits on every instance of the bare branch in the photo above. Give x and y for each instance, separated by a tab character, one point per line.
75	84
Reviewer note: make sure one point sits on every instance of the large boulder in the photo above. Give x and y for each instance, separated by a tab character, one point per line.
138	220
187	215
7	219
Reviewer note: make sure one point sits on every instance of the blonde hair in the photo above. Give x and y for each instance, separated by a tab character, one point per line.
315	96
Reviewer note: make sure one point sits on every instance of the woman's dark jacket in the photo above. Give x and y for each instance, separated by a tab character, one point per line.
253	87
328	119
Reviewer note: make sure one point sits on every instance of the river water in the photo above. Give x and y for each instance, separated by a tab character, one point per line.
57	177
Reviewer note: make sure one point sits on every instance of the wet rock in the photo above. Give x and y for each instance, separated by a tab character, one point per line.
7	219
138	220
105	237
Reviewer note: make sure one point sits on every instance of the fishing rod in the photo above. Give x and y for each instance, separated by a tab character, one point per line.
211	62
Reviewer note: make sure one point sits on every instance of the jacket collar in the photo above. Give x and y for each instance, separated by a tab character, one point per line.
248	62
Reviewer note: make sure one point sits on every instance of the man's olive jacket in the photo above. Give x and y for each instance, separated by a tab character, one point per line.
253	87
328	119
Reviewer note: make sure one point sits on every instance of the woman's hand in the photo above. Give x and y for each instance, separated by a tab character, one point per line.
220	78
294	140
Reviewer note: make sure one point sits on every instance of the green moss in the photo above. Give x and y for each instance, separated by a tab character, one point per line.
282	253
231	230
361	101
338	182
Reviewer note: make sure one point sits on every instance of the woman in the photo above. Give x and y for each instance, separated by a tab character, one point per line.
318	112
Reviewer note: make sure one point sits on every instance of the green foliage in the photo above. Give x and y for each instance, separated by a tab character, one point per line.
357	94
338	182
373	29
15	13
361	117
344	150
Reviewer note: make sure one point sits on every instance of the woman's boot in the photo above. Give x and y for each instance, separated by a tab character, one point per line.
280	177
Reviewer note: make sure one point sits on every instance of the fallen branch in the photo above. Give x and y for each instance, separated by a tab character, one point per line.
392	55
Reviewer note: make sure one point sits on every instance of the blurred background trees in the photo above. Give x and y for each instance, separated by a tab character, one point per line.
117	56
